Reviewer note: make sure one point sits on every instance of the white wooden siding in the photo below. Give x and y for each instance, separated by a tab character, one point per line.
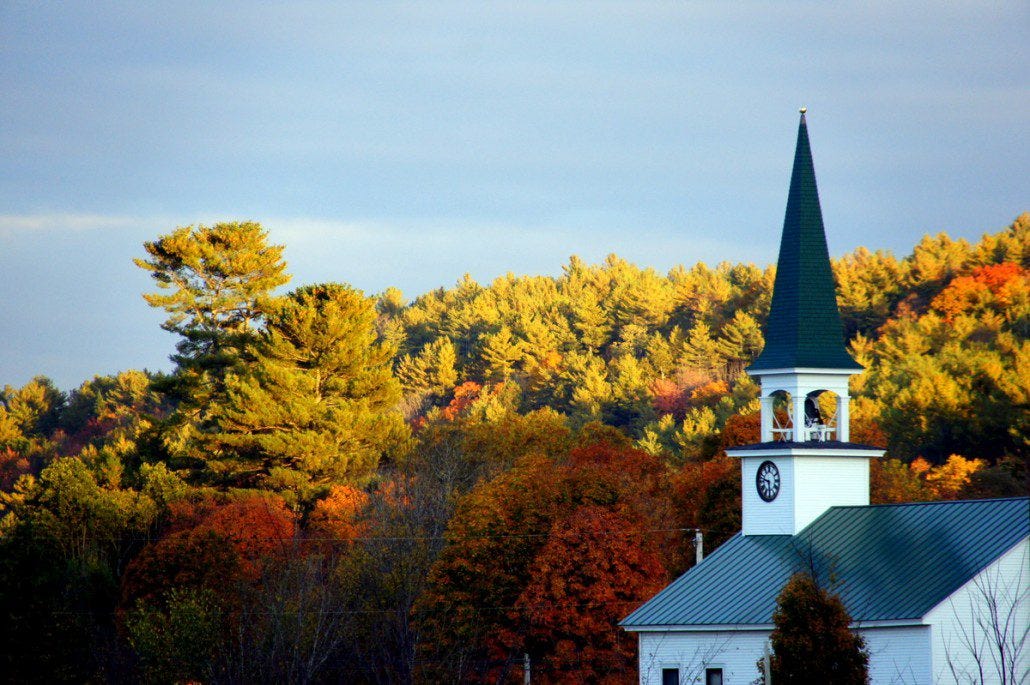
824	482
809	485
733	651
899	655
1007	581
767	518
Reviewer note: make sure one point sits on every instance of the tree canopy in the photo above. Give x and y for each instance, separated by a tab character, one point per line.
334	487
320	399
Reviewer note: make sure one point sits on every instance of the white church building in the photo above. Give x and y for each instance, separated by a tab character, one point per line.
939	590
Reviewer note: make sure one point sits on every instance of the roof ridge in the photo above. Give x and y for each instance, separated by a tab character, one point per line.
930	502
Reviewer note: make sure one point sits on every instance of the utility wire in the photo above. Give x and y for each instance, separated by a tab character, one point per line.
361	538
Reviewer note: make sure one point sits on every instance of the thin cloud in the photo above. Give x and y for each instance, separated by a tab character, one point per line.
21	223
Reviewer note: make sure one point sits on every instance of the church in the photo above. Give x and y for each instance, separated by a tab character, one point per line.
939	590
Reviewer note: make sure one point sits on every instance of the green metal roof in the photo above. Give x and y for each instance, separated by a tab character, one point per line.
891	562
804	328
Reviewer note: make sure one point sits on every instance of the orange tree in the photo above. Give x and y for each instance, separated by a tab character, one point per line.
501	583
185	593
213	545
591	572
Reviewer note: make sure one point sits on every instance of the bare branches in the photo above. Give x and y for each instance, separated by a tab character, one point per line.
990	639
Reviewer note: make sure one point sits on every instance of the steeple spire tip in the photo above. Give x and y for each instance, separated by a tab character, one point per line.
804	327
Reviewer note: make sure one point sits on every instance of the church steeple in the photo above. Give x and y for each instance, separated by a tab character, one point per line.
804	328
804	463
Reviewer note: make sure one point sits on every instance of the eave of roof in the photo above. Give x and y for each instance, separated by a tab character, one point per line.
892	563
828	445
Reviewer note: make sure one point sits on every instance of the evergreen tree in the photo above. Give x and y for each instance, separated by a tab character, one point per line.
500	352
31	411
432	371
321	397
217	280
700	351
812	640
740	342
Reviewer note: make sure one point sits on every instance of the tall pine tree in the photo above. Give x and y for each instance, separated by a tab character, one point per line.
214	282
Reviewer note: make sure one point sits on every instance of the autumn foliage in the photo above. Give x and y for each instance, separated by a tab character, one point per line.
995	285
331	487
499	586
336	516
219	546
592	571
894	482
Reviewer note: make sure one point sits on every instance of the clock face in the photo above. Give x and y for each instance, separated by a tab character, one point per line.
767	480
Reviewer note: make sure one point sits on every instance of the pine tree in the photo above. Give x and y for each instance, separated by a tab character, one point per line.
500	352
700	351
432	371
218	279
739	342
321	397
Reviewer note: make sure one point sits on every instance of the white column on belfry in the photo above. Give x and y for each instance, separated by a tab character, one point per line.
767	418
800	433
843	419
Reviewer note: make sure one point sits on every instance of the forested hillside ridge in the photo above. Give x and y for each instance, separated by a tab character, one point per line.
330	486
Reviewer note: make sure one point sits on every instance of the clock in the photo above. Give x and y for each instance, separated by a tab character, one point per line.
767	480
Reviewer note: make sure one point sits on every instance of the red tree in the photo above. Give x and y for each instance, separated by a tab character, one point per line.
480	585
594	569
220	546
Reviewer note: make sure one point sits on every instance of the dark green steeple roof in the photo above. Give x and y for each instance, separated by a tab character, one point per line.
804	328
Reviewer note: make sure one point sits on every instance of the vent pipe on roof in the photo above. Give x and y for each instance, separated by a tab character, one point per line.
699	546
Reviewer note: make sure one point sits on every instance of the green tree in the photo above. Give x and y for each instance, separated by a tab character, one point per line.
29	417
65	540
320	398
812	639
214	282
180	644
31	411
700	351
739	342
869	287
432	371
109	423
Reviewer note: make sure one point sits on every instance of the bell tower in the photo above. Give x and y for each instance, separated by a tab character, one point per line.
804	463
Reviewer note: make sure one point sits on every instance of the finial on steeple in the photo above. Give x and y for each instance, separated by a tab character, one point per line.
803	110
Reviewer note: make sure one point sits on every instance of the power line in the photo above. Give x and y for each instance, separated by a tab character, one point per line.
362	538
454	608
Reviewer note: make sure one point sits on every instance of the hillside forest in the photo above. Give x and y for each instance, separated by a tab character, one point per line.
336	487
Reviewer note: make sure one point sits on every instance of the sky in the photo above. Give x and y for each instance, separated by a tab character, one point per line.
406	144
